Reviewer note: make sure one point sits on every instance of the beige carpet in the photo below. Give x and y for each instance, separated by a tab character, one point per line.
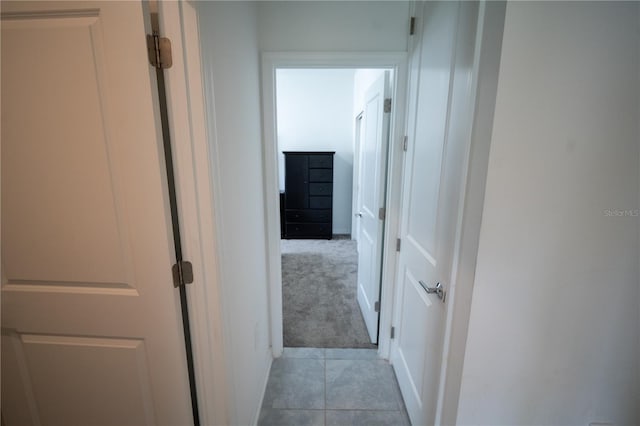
319	295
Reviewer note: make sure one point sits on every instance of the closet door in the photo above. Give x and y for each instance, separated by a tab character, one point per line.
91	328
440	117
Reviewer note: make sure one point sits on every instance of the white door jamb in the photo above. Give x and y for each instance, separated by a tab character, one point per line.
388	60
186	108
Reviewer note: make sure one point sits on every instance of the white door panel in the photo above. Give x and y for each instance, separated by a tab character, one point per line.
432	176
412	342
47	361
91	324
372	192
357	178
366	255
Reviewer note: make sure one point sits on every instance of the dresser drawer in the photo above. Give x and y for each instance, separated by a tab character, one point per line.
309	230
320	175
320	202
320	188
307	216
320	161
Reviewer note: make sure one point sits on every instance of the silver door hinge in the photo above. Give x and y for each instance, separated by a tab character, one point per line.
405	143
159	49
393	332
387	105
182	273
412	25
376	306
398	243
381	213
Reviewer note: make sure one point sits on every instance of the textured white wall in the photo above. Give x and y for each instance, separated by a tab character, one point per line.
314	113
230	65
553	336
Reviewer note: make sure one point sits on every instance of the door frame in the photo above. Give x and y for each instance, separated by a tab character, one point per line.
194	188
271	61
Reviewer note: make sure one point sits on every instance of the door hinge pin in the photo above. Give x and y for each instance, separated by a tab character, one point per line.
393	332
412	25
387	105
382	213
182	273
398	244
405	143
376	306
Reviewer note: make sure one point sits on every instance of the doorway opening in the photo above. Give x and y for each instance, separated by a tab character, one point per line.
325	362
332	132
395	64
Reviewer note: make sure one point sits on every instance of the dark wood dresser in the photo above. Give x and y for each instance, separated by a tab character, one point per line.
308	185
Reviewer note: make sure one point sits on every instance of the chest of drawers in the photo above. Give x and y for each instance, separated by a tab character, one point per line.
308	204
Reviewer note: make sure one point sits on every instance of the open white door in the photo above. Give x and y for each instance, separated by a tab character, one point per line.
373	168
438	123
91	328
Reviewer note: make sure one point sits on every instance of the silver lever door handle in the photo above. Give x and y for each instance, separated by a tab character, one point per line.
437	290
358	215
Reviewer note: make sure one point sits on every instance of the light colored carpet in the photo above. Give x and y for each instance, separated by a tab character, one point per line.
320	308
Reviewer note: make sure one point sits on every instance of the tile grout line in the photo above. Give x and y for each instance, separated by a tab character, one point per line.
324	360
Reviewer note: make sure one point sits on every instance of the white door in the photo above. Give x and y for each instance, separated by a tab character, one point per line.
432	173
373	169
91	328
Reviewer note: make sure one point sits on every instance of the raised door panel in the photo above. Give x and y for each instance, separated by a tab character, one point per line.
371	155
110	376
411	338
58	193
367	290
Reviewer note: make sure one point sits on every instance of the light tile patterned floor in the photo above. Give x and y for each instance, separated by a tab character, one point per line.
332	387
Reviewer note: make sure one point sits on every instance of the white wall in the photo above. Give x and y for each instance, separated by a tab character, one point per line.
230	70
333	26
553	336
314	113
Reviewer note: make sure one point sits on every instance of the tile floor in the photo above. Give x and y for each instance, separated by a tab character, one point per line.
332	387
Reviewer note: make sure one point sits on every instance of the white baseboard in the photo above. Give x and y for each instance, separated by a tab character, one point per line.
256	416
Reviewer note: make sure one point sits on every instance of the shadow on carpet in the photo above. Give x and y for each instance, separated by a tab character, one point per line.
320	308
